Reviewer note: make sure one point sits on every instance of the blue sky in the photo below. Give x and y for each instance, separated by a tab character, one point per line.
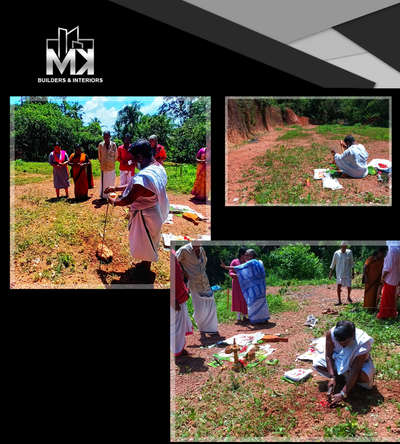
106	108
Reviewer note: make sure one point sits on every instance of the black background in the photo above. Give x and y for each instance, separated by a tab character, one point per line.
74	357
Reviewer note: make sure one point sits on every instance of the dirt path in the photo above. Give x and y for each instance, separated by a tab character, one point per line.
242	158
190	373
88	273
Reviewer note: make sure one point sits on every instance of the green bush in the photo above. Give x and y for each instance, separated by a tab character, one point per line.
295	262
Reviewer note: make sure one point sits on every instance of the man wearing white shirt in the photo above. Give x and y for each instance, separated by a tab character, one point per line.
353	160
343	263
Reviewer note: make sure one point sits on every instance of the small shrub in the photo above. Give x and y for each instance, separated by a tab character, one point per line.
295	262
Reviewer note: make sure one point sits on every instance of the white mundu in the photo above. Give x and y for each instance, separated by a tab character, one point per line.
107	179
180	327
148	213
344	264
205	310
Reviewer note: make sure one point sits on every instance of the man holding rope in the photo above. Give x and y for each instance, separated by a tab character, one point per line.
149	206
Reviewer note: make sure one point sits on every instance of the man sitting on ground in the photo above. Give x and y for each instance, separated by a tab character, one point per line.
353	160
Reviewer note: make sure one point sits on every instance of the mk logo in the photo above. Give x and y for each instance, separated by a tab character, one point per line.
69	49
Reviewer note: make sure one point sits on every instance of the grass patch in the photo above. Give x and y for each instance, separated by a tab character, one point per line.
349	429
371	132
216	411
283	178
293	134
180	178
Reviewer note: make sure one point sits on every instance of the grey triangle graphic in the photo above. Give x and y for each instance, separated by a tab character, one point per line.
378	33
203	24
290	20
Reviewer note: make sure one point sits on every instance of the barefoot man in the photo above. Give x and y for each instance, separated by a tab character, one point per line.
345	352
343	262
149	206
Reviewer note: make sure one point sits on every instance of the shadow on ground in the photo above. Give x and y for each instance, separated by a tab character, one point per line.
190	364
263	326
131	276
360	399
98	203
75	200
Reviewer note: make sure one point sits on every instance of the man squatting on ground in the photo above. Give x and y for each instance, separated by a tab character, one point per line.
346	354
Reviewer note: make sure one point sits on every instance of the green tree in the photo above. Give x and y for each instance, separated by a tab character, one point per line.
38	125
127	120
161	125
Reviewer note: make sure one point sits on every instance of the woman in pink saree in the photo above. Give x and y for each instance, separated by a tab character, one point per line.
238	302
58	159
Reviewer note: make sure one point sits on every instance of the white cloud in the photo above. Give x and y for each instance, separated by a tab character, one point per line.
106	108
96	107
152	107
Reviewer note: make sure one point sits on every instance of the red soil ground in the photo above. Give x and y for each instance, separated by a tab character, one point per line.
238	159
189	373
120	270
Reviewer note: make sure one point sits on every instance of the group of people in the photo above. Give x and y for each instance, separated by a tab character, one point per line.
144	192
248	292
343	355
108	155
381	275
81	171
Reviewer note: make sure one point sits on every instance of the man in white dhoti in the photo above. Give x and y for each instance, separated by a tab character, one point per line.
180	323
149	206
345	351
193	260
343	262
107	153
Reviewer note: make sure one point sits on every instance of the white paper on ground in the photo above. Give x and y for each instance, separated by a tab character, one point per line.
298	374
168	237
331	182
319	173
245	339
175	208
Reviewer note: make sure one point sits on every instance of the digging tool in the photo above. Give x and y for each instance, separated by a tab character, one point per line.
102	248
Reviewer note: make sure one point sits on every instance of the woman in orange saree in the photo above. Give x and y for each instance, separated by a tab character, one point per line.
199	188
372	278
81	172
